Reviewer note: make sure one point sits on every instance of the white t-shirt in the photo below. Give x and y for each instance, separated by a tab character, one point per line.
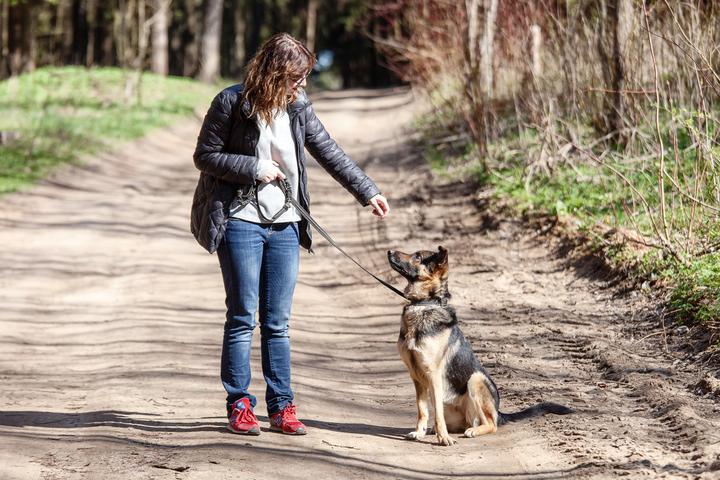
275	143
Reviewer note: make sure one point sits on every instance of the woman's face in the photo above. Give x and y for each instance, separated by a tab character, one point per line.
295	84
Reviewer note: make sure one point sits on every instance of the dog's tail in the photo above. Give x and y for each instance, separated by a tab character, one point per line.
534	411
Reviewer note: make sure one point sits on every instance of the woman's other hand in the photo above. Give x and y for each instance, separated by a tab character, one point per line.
380	206
270	172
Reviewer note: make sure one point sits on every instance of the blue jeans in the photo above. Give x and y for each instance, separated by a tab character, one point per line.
259	263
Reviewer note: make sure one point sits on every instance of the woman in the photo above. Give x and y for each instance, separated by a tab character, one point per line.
252	139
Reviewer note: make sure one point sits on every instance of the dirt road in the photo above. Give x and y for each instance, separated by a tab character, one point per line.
111	326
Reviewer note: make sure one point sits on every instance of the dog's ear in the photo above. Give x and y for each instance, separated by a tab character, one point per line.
442	255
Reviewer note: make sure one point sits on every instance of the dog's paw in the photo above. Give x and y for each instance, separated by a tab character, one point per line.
415	435
446	440
470	433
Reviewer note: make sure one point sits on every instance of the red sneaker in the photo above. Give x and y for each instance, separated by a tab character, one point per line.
242	418
286	422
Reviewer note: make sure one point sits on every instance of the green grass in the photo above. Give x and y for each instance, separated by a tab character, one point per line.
695	296
55	115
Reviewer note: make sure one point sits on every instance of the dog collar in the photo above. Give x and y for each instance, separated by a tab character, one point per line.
423	303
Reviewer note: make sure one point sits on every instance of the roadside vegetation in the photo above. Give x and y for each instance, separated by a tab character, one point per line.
53	115
601	114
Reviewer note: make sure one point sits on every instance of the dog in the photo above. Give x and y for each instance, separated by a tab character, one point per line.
441	361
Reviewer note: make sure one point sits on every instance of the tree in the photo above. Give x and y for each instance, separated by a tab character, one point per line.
616	25
192	38
21	41
311	24
159	27
210	44
92	9
4	48
239	51
64	27
479	75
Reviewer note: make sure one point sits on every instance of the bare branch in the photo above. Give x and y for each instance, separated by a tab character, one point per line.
661	148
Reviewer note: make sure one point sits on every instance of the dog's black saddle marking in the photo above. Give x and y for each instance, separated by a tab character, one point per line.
463	364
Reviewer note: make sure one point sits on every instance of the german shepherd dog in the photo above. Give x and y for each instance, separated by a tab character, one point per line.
441	361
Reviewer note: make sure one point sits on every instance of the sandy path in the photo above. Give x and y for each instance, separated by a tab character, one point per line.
111	324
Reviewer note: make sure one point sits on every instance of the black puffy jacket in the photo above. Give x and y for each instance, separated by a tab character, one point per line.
226	157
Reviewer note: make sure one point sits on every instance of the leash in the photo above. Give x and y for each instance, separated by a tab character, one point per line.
290	201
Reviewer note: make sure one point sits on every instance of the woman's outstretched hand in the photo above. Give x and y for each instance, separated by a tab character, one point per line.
380	206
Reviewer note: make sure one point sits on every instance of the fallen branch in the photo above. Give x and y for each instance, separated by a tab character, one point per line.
632	92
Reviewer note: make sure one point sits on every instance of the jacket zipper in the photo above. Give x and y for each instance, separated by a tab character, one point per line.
293	120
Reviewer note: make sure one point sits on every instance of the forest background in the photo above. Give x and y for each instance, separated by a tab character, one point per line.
594	117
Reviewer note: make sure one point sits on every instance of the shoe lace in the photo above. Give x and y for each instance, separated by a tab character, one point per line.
247	415
288	414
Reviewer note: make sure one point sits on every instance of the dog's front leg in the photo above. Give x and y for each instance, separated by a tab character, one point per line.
441	431
421	399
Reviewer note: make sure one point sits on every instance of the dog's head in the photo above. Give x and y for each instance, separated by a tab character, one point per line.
426	272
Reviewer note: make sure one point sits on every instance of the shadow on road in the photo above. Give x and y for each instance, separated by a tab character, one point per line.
106	418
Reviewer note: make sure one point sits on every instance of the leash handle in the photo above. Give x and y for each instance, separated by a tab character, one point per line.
251	196
289	200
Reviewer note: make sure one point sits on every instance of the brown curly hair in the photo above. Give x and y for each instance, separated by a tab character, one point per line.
281	60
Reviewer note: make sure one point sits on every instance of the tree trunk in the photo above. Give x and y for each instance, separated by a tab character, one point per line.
92	9
177	27
119	32
160	37
64	30
79	33
311	27
192	47
616	26
536	49
475	90
133	26
133	81
125	32
15	33
254	27
108	48
532	88
471	37
22	46
210	47
487	48
105	32
30	37
623	28
239	51
4	50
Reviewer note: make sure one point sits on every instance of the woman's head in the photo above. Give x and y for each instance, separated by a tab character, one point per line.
275	74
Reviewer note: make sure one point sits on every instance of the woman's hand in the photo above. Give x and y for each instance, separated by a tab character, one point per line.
270	172
380	206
